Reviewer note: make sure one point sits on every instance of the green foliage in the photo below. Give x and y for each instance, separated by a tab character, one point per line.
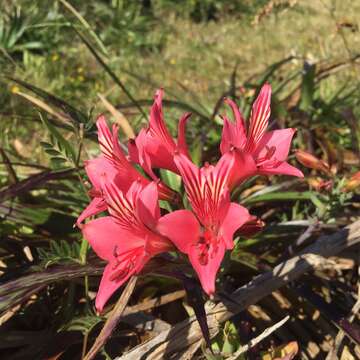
85	324
22	30
206	10
13	28
58	252
61	152
307	87
225	343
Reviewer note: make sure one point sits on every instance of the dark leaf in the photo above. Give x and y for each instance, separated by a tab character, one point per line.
196	301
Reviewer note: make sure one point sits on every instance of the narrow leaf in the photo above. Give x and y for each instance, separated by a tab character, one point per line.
196	301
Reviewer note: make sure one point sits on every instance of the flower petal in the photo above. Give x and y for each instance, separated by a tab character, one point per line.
278	139
118	156
153	152
138	152
181	227
97	167
259	117
236	217
148	205
181	141
228	135
281	169
154	147
107	288
244	166
105	137
194	181
133	151
108	285
122	207
157	125
117	168
207	272
105	235
96	206
233	134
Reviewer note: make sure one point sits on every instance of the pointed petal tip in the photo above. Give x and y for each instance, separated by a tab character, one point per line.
78	224
300	174
209	290
101	122
265	93
228	101
99	305
186	116
207	272
159	93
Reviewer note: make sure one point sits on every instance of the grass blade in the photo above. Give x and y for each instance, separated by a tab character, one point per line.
111	73
85	24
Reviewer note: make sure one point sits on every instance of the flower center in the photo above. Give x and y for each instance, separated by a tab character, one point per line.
270	151
124	262
207	246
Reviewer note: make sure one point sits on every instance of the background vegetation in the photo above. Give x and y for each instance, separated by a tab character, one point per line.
59	60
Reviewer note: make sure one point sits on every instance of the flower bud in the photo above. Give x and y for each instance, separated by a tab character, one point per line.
251	228
312	162
353	182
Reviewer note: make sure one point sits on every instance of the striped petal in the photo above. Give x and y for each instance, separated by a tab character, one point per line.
105	137
195	184
120	207
233	133
259	118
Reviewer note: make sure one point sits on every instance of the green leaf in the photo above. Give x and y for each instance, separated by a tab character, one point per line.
196	151
59	252
53	152
57	139
280	196
171	179
307	87
231	338
84	324
46	145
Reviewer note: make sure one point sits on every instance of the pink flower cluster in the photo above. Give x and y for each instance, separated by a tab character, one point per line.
135	229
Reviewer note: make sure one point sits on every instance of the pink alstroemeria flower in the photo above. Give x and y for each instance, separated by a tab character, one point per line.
219	218
117	167
268	149
154	147
127	238
95	168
